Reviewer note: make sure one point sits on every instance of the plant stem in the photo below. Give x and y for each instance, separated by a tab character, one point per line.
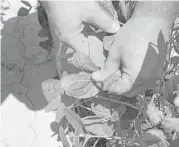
119	102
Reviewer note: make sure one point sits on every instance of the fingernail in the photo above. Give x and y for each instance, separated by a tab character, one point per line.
115	27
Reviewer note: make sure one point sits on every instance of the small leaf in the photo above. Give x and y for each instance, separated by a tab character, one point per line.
92	119
23	12
79	85
54	104
100	130
82	61
51	89
60	112
46	45
43	33
26	3
74	119
100	110
63	137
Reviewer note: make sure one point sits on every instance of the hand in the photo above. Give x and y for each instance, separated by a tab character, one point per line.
67	18
138	50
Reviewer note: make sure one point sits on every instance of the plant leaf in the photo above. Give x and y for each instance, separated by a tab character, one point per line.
100	130
79	85
76	138
63	137
46	45
26	3
74	119
92	119
82	61
51	89
43	33
53	105
60	112
100	110
23	12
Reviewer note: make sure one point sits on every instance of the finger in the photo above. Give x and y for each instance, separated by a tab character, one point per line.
111	65
120	86
100	18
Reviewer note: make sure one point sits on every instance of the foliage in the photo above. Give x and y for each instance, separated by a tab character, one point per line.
148	120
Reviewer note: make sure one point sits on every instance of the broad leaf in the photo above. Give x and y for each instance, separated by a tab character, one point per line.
74	119
82	61
79	86
60	112
100	110
51	89
26	3
23	12
100	130
63	137
54	104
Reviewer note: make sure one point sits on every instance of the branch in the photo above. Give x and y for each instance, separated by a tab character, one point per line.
119	102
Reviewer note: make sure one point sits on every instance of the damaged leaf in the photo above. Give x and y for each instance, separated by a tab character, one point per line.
79	85
83	62
52	89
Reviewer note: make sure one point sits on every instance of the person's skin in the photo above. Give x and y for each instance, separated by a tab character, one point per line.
67	20
142	63
140	47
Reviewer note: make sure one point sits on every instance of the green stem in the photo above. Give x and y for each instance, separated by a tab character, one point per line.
119	102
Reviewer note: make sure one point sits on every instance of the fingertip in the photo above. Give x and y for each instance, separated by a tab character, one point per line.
113	27
100	75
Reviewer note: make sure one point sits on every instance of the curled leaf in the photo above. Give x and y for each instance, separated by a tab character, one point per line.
82	61
155	116
79	85
171	124
51	89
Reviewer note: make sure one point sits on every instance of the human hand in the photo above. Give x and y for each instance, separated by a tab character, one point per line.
67	18
136	58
